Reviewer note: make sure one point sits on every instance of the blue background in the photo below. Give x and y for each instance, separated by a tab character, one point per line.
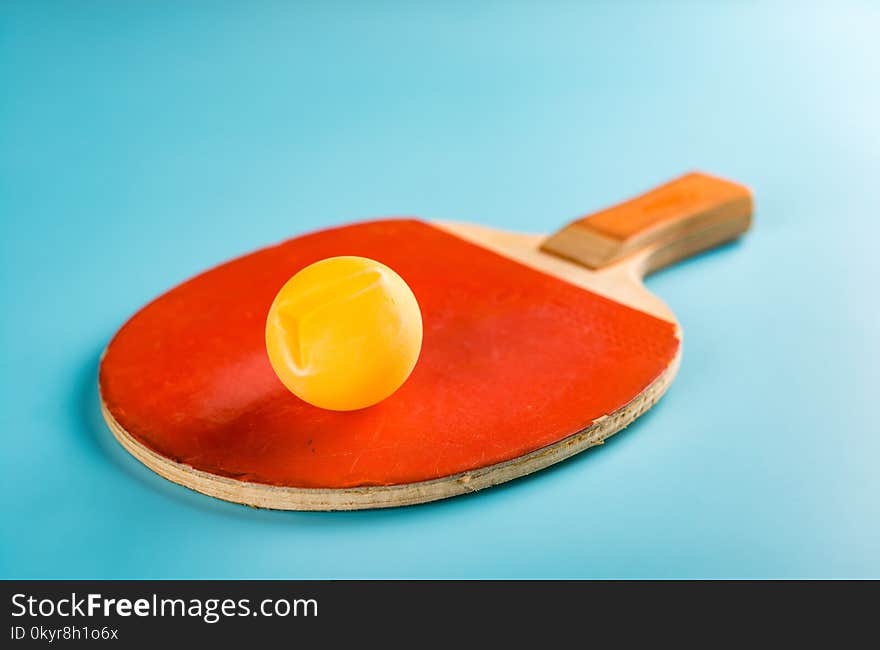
143	142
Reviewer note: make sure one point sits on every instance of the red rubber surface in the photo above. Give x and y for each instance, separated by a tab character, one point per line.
512	360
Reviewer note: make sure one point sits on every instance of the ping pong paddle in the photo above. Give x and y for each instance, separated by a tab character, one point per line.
534	349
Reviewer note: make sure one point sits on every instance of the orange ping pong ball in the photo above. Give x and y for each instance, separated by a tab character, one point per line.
344	333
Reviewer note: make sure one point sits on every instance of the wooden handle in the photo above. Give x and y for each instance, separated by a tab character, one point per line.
674	221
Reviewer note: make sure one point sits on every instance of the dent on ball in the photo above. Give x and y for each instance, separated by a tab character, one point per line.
344	333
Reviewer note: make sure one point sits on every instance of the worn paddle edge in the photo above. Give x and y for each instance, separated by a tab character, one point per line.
260	495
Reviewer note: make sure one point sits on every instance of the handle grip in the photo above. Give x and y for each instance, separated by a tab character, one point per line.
681	218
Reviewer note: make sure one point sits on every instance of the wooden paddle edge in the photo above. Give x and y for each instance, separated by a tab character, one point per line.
259	495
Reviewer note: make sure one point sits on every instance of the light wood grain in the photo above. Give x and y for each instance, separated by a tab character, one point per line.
702	209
